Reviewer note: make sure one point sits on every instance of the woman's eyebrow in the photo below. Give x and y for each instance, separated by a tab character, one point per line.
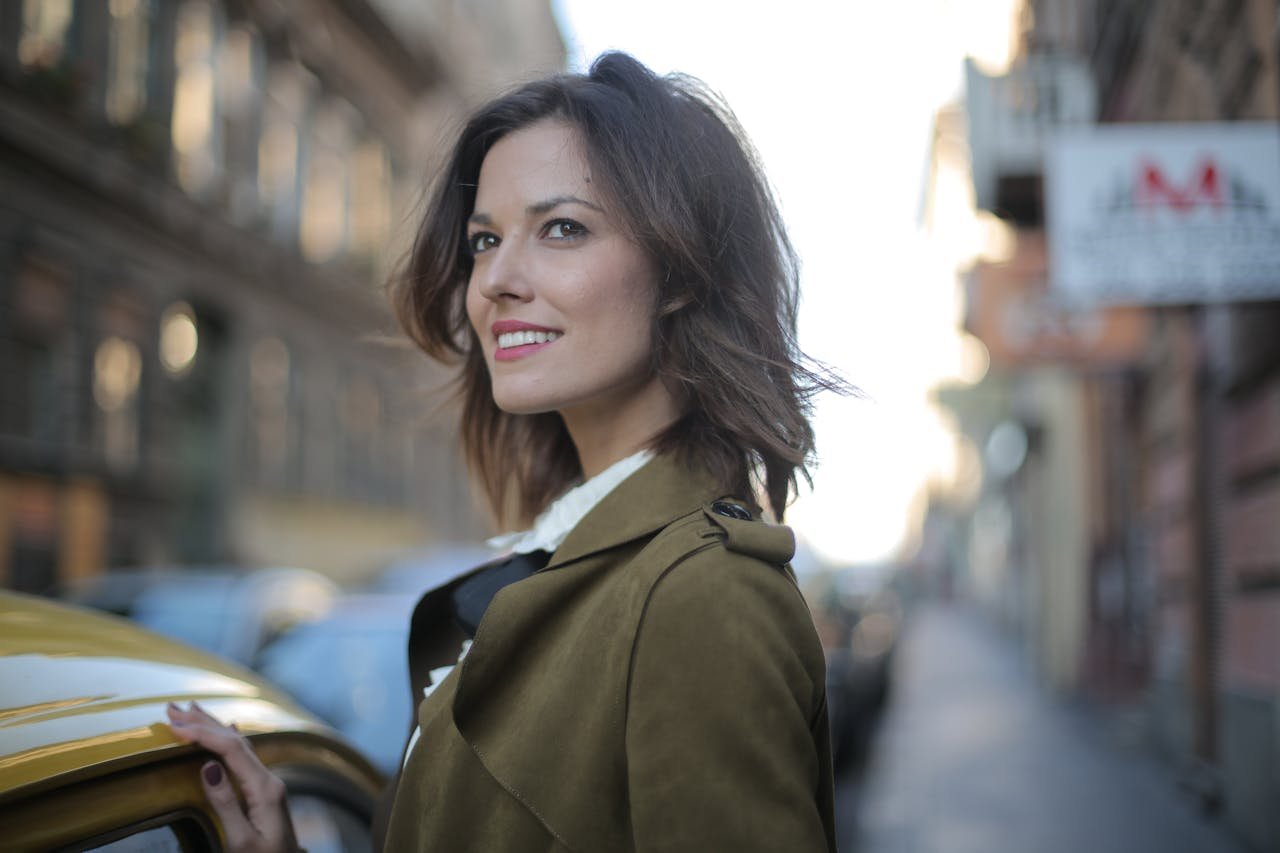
538	208
550	204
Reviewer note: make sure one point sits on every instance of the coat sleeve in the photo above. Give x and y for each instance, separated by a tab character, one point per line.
726	689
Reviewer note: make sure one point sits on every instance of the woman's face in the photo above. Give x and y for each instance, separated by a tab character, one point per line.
560	298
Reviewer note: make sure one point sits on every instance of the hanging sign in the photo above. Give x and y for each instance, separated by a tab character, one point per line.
1164	213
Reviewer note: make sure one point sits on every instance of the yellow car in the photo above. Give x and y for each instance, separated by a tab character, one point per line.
87	763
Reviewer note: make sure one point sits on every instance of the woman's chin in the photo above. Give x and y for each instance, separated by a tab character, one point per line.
517	405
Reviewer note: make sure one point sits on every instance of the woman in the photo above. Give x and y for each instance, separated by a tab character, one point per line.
605	257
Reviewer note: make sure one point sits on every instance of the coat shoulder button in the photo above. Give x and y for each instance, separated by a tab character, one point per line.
731	510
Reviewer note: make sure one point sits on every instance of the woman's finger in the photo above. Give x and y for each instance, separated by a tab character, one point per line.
262	823
222	796
196	726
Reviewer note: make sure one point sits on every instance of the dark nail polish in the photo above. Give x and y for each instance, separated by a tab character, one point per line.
213	774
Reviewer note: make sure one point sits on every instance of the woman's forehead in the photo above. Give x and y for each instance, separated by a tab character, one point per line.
544	159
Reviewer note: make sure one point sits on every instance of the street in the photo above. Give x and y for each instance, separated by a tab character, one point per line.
972	756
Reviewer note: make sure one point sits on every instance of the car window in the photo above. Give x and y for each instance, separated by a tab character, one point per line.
323	826
161	839
172	834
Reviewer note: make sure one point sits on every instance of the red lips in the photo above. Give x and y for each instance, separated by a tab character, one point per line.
514	350
503	326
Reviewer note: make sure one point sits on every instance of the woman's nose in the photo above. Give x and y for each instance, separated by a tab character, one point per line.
499	274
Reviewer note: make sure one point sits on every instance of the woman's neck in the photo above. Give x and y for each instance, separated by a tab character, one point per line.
605	434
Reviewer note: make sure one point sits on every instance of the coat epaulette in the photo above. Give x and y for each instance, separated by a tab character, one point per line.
743	534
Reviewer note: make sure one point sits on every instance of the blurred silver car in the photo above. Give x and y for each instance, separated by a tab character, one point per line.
231	612
350	668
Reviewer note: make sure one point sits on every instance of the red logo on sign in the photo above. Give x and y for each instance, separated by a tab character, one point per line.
1155	190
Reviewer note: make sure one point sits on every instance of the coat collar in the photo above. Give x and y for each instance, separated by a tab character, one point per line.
647	501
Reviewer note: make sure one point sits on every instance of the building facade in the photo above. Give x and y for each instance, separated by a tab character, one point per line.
199	204
1143	532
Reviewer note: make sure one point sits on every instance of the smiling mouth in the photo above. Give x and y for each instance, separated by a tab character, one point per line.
511	340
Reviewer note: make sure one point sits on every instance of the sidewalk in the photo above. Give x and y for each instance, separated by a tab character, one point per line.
973	757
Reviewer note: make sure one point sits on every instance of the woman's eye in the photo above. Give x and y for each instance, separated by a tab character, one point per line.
481	242
565	229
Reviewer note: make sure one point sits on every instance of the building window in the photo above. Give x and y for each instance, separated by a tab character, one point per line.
240	91
370	199
117	374
45	25
361	416
239	69
269	391
38	374
194	129
179	339
127	60
323	228
289	89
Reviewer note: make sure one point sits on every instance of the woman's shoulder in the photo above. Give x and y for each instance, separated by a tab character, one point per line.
723	528
723	595
722	556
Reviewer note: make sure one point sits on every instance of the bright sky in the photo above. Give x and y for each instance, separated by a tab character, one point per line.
839	100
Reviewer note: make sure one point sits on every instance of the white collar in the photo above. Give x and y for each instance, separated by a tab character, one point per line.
556	521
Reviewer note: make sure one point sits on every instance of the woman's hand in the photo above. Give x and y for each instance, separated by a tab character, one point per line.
262	825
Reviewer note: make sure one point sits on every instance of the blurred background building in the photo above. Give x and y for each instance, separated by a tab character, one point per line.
199	204
1127	525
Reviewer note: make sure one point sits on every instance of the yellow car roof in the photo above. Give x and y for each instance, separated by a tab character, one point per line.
81	691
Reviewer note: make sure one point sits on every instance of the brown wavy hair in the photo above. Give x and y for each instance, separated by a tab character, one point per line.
679	173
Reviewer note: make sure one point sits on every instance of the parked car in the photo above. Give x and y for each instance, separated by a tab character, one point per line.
229	611
89	765
361	648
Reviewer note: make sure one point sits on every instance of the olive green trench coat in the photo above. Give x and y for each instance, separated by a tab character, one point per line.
658	686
